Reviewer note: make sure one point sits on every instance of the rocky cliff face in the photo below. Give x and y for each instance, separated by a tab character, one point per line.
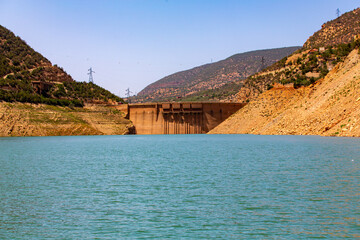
330	107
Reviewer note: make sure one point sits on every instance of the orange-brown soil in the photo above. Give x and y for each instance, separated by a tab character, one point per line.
24	119
330	107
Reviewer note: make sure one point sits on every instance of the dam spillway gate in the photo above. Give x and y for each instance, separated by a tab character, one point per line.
178	118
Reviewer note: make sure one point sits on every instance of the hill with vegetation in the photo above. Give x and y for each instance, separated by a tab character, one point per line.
337	31
309	64
329	107
27	76
314	91
207	78
319	54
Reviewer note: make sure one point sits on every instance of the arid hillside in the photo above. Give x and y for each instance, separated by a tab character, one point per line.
25	119
321	52
201	83
329	107
337	31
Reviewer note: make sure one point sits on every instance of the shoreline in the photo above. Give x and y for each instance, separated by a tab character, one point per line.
24	119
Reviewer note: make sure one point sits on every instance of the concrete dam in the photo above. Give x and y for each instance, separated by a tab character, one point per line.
177	117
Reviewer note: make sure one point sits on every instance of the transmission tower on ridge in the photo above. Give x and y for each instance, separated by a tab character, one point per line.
262	62
127	94
338	12
91	79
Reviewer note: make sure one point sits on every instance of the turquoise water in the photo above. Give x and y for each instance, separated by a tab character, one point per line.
179	186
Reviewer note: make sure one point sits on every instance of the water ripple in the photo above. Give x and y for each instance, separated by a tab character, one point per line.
182	186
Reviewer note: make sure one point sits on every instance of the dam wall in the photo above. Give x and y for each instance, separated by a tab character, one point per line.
178	118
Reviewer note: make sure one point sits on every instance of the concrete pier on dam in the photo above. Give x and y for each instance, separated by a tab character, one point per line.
178	117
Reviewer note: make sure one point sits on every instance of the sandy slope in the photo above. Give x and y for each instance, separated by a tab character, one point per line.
19	119
331	107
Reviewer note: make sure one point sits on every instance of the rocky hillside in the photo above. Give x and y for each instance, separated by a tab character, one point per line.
329	107
335	32
25	119
188	84
302	68
312	62
27	76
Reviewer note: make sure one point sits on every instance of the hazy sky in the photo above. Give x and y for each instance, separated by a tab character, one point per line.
132	43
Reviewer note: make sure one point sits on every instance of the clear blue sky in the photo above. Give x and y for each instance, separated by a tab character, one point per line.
132	43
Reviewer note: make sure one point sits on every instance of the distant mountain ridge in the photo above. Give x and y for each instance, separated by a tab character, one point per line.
319	54
211	76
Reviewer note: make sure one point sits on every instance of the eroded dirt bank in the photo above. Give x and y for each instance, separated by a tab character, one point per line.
23	119
331	107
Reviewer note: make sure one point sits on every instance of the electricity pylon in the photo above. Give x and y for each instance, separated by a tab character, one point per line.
127	94
91	79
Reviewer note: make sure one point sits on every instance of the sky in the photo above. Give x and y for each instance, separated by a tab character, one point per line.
133	43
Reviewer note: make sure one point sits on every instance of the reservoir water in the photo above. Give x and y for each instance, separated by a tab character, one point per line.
179	187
